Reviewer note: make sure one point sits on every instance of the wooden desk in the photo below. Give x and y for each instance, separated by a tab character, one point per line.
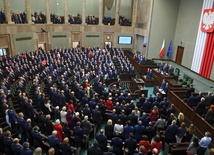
149	82
159	77
173	83
142	69
157	90
178	148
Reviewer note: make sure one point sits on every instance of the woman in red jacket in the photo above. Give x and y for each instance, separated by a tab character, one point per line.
156	144
58	128
154	114
109	104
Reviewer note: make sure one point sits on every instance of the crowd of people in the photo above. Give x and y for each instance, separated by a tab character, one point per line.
71	100
123	21
56	19
75	19
108	20
92	20
20	18
38	18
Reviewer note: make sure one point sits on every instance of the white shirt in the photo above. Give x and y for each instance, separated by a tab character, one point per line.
63	116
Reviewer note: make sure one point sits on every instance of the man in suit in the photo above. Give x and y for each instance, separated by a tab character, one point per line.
96	116
132	118
78	135
54	142
102	140
16	147
131	144
21	126
139	131
94	149
171	131
12	119
192	100
190	90
201	107
37	138
117	144
26	150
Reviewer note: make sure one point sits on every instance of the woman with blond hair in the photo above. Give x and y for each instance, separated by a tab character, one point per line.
190	133
109	129
154	114
180	118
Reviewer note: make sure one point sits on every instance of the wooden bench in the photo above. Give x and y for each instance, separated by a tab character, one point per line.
178	148
149	82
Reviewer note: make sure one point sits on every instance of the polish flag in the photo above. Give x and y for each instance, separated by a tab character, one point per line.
162	49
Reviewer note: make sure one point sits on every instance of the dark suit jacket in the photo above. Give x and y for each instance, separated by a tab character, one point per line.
26	151
94	150
117	145
131	145
54	142
102	141
16	149
78	134
171	131
37	139
66	149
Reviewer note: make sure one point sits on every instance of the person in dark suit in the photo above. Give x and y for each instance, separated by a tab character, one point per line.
16	147
109	152
28	129
21	127
12	119
48	125
26	150
131	144
96	115
94	149
109	129
7	143
163	84
149	74
2	137
65	147
54	142
139	131
102	140
86	126
192	100
117	144
78	135
171	131
37	138
190	91
132	118
147	106
201	107
127	130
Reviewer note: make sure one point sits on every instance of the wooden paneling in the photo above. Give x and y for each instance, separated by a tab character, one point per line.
200	124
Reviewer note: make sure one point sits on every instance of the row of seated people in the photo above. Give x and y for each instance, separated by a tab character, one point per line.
19	18
2	17
38	18
108	20
56	19
75	88
92	20
123	21
75	19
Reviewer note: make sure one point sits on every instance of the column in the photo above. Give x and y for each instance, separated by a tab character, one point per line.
7	11
66	11
83	11
101	12
28	11
134	12
117	12
48	18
